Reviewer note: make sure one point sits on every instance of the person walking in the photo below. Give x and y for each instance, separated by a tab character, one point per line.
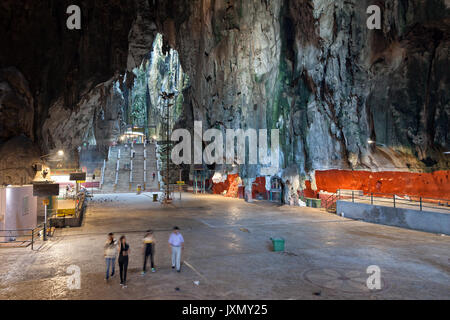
149	251
124	251
110	253
176	244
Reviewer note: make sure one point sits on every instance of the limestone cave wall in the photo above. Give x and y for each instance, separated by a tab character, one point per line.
310	68
313	69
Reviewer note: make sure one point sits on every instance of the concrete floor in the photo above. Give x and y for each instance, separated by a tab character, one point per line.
228	250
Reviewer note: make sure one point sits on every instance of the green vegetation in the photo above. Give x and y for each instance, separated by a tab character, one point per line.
162	72
139	104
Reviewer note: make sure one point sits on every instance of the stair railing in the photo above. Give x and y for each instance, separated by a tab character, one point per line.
145	173
102	180
117	174
331	200
145	164
131	172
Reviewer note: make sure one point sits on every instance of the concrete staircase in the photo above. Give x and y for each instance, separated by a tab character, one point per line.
152	167
110	171
126	163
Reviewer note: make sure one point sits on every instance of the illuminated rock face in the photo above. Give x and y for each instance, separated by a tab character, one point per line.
95	120
315	71
17	158
308	67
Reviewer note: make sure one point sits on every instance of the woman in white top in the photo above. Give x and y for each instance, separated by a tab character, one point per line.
110	253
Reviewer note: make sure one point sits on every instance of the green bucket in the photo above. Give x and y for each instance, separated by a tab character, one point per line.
278	244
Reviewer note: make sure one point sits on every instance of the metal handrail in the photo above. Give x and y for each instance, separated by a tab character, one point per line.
396	200
29	237
103	174
145	165
333	198
131	171
117	172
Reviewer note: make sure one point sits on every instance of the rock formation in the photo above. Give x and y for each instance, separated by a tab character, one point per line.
310	68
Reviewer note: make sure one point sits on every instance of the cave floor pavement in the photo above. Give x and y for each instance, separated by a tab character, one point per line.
229	254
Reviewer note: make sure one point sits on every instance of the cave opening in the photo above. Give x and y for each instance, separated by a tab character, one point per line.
133	109
143	110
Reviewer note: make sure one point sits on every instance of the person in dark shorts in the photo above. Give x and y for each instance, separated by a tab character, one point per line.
124	251
149	251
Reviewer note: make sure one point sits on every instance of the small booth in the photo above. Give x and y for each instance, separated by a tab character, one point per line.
200	177
276	190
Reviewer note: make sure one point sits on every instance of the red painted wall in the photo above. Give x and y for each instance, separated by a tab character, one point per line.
433	185
230	185
259	187
309	192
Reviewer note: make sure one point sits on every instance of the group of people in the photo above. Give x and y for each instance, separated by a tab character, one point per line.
122	249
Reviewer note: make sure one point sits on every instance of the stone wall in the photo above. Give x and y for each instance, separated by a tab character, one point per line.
310	68
428	221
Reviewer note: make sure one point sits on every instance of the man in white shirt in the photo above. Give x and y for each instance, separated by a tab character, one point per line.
176	244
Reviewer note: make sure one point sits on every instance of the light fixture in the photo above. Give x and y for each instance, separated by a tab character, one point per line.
60	153
370	141
447	152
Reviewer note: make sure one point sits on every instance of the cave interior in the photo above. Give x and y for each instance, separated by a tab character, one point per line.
355	108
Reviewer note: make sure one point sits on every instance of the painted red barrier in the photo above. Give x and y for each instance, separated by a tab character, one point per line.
309	192
259	188
433	185
230	186
91	184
